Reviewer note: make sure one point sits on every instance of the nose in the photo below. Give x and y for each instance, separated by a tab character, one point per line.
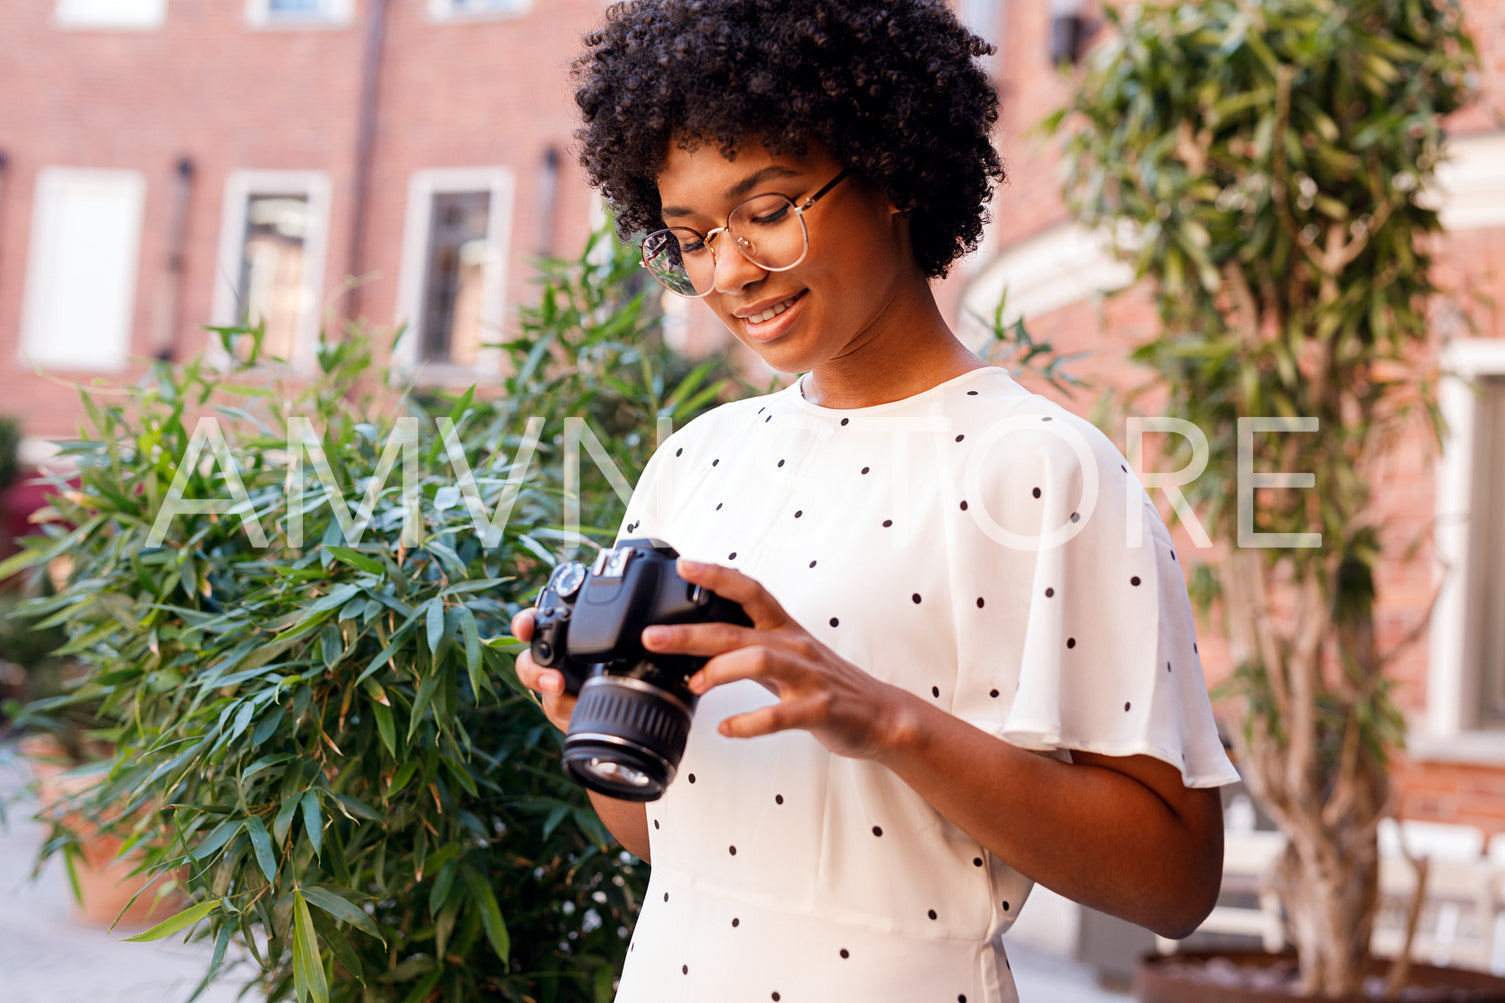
734	271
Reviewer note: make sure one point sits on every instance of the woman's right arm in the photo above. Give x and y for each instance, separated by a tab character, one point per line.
627	820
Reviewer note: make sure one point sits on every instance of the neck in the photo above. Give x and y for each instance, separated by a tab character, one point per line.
908	349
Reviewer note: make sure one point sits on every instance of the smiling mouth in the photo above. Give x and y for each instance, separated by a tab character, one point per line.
773	311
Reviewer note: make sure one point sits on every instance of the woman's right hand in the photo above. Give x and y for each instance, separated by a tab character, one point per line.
547	683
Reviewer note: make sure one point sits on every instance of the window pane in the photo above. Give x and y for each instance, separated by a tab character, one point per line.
1488	517
295	6
111	13
271	289
457	252
86	236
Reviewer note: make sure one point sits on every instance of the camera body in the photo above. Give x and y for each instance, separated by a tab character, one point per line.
628	731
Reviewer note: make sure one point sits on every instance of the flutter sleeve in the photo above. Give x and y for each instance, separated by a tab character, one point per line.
1094	647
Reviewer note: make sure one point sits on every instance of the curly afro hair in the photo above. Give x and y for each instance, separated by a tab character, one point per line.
892	88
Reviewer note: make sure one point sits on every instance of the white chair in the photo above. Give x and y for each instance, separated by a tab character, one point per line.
1459	920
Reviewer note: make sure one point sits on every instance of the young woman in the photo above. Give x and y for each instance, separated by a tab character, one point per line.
972	663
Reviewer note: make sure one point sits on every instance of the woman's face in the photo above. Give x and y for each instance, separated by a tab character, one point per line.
841	297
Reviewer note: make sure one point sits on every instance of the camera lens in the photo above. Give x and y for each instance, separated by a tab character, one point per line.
627	737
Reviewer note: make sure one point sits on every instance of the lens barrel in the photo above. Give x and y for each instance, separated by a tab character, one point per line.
627	737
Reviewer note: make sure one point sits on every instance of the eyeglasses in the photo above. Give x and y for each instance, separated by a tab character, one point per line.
768	230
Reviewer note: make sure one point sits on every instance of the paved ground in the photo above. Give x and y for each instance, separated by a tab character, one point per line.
47	958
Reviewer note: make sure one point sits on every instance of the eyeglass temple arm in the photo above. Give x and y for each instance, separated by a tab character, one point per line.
829	185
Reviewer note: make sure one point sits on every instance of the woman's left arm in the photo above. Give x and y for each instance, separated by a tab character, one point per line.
1120	834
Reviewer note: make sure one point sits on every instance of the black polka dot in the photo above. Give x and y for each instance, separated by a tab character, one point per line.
781	463
1036	492
1167	666
1071	642
935	691
1049	593
775	995
655	823
887	523
778	799
692	778
931	914
1123	468
1076	517
812	564
732	850
1194	647
835	622
736	922
845	420
959	438
971	393
962	997
763	408
1173	555
866	469
976	861
877	830
732	556
680	451
1005	905
964	506
915	598
1126	705
768	418
981	602
715	461
845	953
685	969
993	694
1046	418
718	506
798	513
1134	581
666	896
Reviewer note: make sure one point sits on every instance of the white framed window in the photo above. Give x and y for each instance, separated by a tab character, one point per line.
453	279
299	13
473	10
274	233
80	300
110	14
1466	683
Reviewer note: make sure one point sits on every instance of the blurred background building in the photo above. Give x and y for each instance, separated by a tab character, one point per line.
167	165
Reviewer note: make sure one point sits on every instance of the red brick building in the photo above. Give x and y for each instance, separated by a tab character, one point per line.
169	164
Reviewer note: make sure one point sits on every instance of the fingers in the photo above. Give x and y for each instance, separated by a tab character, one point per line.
522	625
703	639
755	600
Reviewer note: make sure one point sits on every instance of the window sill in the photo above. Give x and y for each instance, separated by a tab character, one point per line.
1479	748
441	13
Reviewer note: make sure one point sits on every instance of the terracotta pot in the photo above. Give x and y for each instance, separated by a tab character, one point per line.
1258	977
105	881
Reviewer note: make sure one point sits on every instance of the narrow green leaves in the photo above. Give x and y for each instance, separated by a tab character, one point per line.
181	921
308	965
483	898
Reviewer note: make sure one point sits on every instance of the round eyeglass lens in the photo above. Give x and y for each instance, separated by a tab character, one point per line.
768	232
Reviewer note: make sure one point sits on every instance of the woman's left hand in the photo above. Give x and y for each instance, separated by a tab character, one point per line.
847	710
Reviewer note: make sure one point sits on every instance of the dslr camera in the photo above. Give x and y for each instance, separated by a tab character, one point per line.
628	731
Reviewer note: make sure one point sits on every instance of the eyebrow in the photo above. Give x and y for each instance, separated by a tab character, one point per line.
741	189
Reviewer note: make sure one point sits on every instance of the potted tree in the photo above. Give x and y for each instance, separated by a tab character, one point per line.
1265	167
303	667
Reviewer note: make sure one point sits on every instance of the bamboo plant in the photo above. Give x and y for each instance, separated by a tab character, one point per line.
305	671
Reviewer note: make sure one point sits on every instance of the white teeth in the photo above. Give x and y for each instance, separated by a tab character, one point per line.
771	312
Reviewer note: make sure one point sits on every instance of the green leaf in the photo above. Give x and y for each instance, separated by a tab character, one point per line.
385	727
308	965
484	899
313	820
434	624
218	837
472	649
261	843
284	820
356	559
342	909
181	921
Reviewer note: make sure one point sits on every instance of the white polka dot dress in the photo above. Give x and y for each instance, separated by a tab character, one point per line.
975	544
